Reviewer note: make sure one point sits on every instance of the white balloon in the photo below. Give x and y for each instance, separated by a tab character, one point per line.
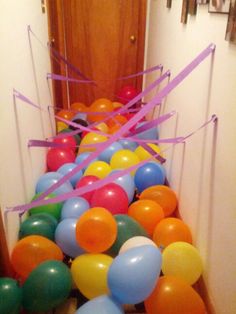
134	242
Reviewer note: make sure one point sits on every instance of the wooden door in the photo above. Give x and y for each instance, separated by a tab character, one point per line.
104	39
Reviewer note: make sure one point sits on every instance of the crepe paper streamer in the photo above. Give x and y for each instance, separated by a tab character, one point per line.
154	68
17	94
138	116
58	77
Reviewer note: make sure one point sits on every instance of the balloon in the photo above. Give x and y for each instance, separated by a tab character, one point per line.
96	230
107	153
149	134
102	105
50	178
10	296
114	129
181	259
112	197
99	169
89	272
148	175
102	127
68	141
90	141
47	286
147	212
80	119
53	209
60	126
67	168
65	237
39	224
143	154
133	274
84	181
56	157
127	93
128	144
65	114
173	295
135	242
101	305
74	207
81	157
79	106
163	195
32	250
124	159
116	105
116	120
171	230
76	136
127	228
127	183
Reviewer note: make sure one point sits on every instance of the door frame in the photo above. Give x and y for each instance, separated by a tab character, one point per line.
57	41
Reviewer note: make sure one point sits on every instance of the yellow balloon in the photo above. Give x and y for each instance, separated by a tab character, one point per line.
117	104
124	159
89	139
100	169
89	272
61	126
102	127
181	259
143	154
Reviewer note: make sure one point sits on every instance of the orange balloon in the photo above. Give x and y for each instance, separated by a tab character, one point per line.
116	120
65	114
96	230
79	106
147	212
174	296
114	129
163	195
31	251
171	230
102	105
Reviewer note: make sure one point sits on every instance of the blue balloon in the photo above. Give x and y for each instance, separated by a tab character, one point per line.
67	168
74	207
81	157
127	183
50	178
151	173
80	115
148	134
65	237
109	151
133	274
101	305
128	144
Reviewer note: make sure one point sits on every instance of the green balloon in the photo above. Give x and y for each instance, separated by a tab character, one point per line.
52	209
47	286
39	224
10	296
127	228
76	136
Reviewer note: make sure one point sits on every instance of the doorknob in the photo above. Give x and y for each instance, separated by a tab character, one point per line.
132	39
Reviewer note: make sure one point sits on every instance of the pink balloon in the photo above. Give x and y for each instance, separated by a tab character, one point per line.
112	197
56	157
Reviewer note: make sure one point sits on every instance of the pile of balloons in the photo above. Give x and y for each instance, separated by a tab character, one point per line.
118	244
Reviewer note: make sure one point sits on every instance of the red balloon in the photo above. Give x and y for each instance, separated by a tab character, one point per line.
69	141
84	181
56	157
112	197
127	93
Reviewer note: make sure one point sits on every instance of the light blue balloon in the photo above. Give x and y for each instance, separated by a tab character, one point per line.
109	152
151	173
127	183
74	207
67	168
81	157
101	305
80	115
148	134
133	274
65	237
50	178
128	144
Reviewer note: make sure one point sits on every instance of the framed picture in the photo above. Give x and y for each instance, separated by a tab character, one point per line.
219	6
231	25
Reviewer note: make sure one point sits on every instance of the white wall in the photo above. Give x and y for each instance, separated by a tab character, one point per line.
203	171
23	66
